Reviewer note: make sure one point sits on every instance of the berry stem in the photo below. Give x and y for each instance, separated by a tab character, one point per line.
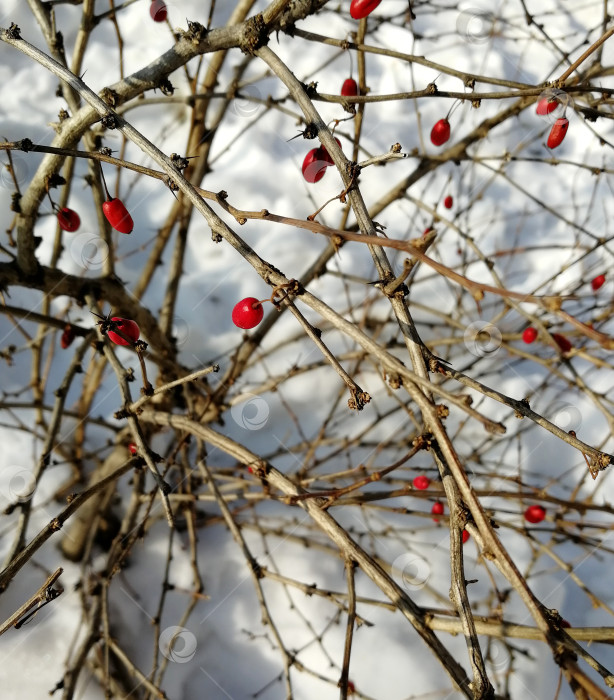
104	184
148	389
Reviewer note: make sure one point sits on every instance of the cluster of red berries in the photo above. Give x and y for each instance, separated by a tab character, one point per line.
546	106
114	210
530	334
361	8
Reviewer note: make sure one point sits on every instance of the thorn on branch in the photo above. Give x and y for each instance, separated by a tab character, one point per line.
14	32
109	121
255	35
196	32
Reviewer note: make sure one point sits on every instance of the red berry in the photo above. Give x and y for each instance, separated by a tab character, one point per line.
247	313
598	282
534	514
427	231
329	160
557	133
68	335
466	536
422	482
562	342
565	624
133	448
362	8
349	88
440	133
437	509
529	334
158	10
545	106
68	220
117	215
315	164
127	328
448	202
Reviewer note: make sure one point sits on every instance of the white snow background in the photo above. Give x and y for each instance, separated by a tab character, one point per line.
226	652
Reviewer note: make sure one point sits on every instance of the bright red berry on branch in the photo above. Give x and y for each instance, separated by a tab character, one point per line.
247	313
529	334
562	342
349	88
545	106
440	133
68	220
158	10
315	164
117	215
466	536
421	482
598	282
68	335
437	509
133	448
361	8
534	514
448	202
129	329
558	132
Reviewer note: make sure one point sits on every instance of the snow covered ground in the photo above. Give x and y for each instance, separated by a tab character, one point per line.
227	652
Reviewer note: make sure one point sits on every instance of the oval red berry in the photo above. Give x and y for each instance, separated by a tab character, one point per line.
545	106
421	482
129	330
158	10
558	132
562	342
247	313
437	509
133	448
529	335
68	335
598	282
534	514
68	220
349	88
466	536
117	215
440	133
448	202
315	164
361	8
